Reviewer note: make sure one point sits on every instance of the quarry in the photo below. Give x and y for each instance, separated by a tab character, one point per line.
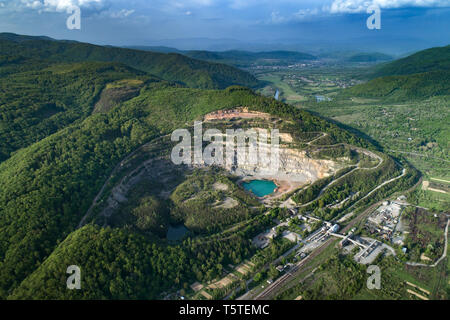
288	164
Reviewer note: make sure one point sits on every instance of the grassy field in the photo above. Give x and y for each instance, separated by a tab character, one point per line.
431	200
298	85
330	280
425	238
417	130
286	92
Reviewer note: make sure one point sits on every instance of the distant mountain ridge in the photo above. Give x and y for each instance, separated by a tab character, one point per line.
370	57
433	59
172	67
234	57
161	49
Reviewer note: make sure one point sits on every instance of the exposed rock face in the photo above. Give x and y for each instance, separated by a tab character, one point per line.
261	161
297	166
294	165
155	168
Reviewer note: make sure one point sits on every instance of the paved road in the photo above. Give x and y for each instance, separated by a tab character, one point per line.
378	187
380	162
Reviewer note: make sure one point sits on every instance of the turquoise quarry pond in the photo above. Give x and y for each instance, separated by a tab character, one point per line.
260	188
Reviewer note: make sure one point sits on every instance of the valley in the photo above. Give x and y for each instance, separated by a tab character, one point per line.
88	176
217	194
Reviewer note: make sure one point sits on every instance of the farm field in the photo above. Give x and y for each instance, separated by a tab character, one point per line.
423	138
306	82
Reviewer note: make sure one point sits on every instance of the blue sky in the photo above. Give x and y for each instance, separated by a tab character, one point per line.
237	24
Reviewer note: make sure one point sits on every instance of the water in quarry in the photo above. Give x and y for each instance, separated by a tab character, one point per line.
176	232
260	188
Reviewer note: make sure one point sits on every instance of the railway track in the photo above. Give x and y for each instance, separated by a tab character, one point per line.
280	282
292	273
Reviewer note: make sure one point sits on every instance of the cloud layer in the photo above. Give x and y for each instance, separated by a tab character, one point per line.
302	7
59	5
357	6
135	21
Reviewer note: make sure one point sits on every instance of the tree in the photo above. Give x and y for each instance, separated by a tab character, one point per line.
273	272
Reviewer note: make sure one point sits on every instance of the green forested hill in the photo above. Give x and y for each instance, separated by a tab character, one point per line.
434	59
46	188
172	67
415	86
38	99
419	76
116	264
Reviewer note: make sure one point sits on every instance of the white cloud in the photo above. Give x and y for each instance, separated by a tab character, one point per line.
281	11
189	3
276	18
100	8
356	6
347	6
305	13
58	5
300	15
121	14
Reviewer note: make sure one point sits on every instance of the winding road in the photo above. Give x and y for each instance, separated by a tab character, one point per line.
113	172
